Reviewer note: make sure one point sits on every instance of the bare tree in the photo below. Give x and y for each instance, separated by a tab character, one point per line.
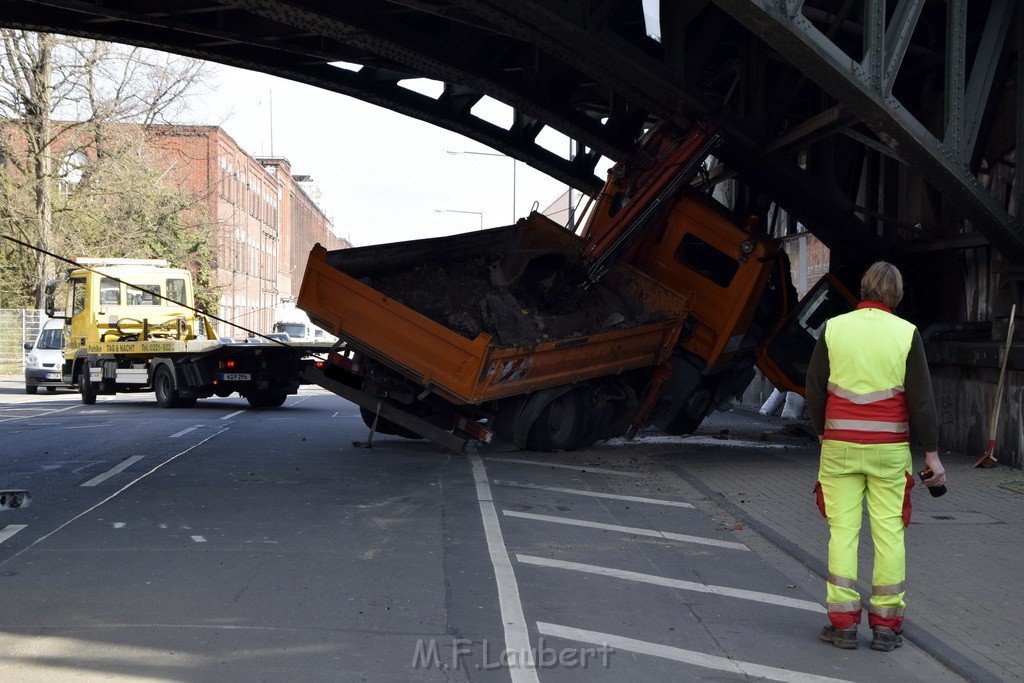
60	98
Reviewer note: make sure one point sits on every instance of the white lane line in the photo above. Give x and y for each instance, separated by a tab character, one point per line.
120	525
627	529
10	530
594	494
185	431
228	417
42	414
726	591
578	468
678	654
117	469
199	539
517	637
112	496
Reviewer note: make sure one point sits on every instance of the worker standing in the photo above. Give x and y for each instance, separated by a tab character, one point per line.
867	382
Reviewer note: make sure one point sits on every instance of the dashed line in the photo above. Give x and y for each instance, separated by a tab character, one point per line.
726	591
42	414
578	468
117	469
199	539
595	494
228	417
678	654
185	431
10	530
517	636
119	525
627	530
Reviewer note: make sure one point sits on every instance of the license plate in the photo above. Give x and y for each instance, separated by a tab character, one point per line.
235	376
53	375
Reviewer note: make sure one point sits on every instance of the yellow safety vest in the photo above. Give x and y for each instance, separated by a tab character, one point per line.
867	355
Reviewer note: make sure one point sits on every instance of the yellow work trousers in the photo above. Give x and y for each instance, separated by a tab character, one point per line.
849	473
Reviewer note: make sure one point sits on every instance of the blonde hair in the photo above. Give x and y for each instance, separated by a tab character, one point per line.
882	282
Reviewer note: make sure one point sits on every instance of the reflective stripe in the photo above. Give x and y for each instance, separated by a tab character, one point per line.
861	399
889	590
852	606
842	581
867	425
886	612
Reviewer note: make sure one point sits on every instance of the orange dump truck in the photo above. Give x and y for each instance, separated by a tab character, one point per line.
529	336
486	335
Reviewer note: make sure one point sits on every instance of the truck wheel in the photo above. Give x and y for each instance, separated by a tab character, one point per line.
85	387
31	390
163	386
559	427
266	399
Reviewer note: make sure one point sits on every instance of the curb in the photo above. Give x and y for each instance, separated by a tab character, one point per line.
948	656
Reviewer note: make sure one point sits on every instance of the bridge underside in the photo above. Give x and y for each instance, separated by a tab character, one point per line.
883	128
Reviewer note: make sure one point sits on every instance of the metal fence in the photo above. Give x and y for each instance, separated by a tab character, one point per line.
17	326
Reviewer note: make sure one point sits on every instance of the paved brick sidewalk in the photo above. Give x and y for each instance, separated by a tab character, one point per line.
965	599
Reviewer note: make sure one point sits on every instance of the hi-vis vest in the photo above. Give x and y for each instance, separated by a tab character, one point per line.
867	355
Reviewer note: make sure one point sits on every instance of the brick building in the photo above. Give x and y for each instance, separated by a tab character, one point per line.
264	221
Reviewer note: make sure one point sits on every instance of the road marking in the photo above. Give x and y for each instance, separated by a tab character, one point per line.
42	414
199	539
117	469
185	431
680	655
594	494
10	530
578	468
120	525
517	637
228	417
726	591
112	496
627	529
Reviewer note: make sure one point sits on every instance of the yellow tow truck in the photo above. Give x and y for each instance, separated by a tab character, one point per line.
131	325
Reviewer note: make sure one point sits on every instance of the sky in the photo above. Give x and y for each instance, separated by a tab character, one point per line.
381	176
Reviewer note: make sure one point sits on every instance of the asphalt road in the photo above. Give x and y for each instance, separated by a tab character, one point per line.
230	544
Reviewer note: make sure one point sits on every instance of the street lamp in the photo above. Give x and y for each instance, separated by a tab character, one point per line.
497	154
478	214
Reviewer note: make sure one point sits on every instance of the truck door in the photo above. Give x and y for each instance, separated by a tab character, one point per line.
787	351
79	323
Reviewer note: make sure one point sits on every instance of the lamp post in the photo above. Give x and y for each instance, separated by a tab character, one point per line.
497	154
478	214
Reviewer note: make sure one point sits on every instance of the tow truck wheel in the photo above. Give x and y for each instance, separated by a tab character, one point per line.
31	390
163	386
85	387
266	399
559	427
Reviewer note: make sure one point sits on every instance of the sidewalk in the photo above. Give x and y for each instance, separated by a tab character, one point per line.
965	597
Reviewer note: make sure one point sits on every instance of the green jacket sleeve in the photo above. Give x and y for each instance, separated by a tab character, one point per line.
920	398
816	389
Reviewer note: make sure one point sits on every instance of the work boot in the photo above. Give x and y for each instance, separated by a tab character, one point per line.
845	638
885	639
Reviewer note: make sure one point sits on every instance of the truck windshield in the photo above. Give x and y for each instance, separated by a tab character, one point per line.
705	259
144	295
293	329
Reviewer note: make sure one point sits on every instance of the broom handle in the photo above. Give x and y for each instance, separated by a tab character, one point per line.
1002	374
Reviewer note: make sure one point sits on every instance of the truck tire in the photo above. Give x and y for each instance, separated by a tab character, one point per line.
266	399
163	387
560	425
85	387
31	390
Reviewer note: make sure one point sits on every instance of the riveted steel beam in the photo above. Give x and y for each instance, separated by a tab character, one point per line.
851	84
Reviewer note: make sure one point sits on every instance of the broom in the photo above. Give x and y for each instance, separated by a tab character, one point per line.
987	459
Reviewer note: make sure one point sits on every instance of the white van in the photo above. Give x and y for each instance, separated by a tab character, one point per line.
45	358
